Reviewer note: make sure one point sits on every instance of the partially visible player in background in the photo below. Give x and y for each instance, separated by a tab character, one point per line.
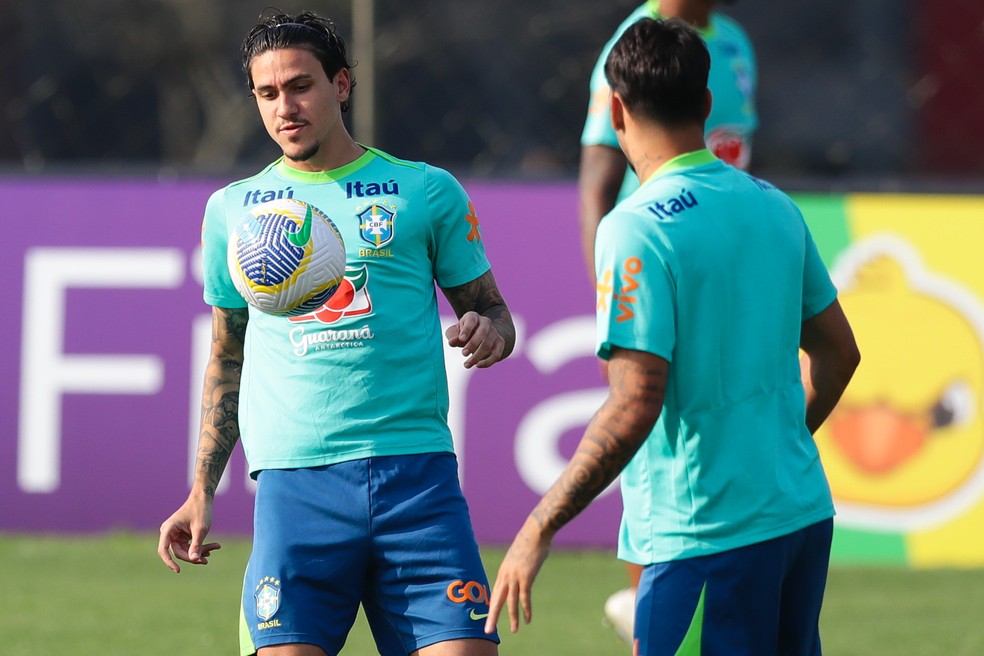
343	413
604	177
709	284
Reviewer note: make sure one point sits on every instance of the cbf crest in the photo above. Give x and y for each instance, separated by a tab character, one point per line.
267	597
376	223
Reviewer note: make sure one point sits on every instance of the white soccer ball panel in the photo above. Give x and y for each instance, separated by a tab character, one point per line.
286	257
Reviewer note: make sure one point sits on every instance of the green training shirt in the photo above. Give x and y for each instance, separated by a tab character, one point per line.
732	80
715	271
363	375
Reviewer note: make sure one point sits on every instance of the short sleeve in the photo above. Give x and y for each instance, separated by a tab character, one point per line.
218	288
818	290
458	251
636	306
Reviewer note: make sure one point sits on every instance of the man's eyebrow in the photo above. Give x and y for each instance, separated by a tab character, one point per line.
287	83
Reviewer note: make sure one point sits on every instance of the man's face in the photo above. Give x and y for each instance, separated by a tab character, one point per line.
299	105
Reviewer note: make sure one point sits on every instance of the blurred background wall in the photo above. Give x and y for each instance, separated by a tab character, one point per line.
873	94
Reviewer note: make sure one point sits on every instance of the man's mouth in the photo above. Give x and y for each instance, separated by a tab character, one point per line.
291	129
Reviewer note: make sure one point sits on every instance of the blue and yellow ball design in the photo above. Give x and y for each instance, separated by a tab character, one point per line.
286	257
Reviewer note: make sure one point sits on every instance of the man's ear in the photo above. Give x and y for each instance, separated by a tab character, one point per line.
343	84
617	109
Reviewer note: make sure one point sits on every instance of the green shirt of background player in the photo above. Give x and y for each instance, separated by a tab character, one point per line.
345	470
603	178
709	284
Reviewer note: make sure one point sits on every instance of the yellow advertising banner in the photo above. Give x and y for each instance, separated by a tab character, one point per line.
904	449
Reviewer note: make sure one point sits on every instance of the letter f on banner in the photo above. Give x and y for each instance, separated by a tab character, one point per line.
47	373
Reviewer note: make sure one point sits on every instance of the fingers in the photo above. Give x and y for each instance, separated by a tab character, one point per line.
514	610
195	550
178	542
164	552
506	594
495	607
519	598
480	342
512	590
204	552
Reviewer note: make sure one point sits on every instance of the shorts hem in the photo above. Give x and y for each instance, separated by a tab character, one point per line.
459	634
285	639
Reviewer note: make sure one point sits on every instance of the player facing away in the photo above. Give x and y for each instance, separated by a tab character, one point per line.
603	178
709	284
343	412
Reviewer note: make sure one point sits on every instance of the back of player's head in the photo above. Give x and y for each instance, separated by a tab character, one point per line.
305	30
660	68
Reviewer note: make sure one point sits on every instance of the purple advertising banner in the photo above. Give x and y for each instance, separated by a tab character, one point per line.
106	335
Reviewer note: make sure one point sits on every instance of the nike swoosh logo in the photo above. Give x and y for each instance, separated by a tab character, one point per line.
477	616
302	236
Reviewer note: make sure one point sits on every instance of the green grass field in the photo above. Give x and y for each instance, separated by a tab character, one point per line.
111	596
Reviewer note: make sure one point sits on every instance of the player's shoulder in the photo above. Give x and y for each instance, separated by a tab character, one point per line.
264	172
403	165
728	29
220	195
421	179
769	192
761	184
645	10
705	184
623	225
423	170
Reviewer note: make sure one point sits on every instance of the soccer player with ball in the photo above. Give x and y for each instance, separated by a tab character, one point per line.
342	410
709	284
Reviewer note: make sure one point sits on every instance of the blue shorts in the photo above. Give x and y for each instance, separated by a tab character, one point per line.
392	533
761	599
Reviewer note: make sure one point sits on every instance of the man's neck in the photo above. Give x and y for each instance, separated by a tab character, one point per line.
655	148
333	154
695	12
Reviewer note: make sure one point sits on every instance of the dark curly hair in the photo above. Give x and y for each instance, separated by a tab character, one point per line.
305	30
660	69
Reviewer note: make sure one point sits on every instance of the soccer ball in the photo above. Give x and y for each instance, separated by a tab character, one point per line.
286	257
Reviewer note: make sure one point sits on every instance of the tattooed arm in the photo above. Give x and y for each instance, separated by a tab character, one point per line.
220	398
637	384
183	532
485	331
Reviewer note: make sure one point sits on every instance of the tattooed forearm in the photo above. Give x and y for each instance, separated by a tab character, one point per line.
615	433
220	397
218	437
482	295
